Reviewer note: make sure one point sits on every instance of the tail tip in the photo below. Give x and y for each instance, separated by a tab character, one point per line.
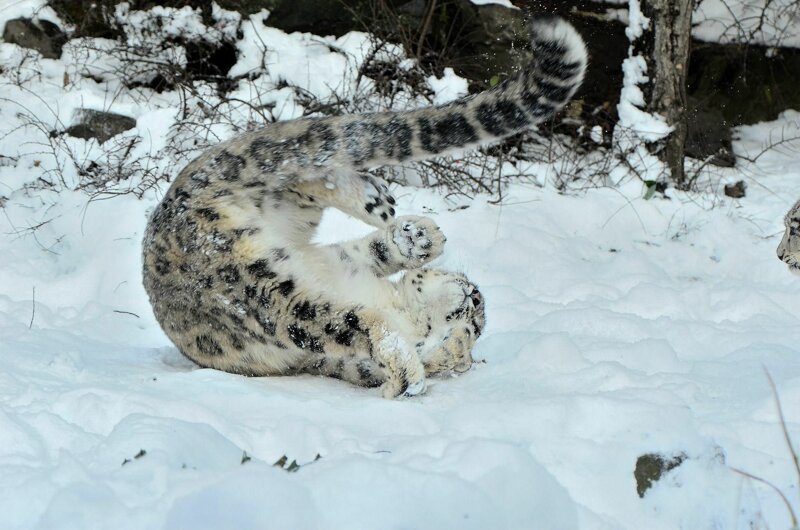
554	29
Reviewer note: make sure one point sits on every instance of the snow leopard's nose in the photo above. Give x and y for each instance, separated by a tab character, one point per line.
476	297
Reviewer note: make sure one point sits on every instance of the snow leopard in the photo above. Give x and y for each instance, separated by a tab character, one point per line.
789	248
237	284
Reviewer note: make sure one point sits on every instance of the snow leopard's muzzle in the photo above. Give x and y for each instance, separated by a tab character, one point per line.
789	251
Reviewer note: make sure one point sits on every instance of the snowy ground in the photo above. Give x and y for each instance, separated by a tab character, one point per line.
618	326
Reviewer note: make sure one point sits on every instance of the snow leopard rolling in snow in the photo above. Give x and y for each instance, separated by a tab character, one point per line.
237	285
789	248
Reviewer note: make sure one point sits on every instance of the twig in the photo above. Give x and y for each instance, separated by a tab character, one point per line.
774	487
33	307
783	426
788	439
126	313
424	31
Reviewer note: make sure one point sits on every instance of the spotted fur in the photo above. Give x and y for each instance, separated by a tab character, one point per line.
237	285
789	248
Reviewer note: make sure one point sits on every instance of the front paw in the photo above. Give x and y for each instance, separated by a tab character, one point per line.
417	239
452	355
395	387
416	389
405	373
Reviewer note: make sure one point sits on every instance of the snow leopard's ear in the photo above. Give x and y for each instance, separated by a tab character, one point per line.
792	214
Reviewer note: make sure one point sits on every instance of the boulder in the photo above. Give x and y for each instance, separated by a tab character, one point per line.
40	35
748	84
651	467
736	190
88	123
709	135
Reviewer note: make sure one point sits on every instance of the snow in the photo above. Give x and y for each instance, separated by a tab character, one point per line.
596	134
617	326
766	22
160	23
637	22
635	127
646	126
325	67
504	3
449	87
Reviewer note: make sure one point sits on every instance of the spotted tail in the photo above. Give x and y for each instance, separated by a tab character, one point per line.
532	96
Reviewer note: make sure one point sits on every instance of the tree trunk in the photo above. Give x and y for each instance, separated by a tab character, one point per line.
671	26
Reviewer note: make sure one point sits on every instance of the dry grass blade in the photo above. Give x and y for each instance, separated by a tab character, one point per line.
783	427
775	488
792	451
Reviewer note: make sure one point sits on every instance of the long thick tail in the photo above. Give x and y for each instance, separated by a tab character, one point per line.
318	147
532	96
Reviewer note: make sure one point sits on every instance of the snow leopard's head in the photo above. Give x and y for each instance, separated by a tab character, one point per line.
450	311
789	249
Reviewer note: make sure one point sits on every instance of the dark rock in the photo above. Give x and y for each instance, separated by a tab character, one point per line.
207	61
414	8
709	136
748	84
89	18
100	125
651	467
321	17
498	39
40	35
736	191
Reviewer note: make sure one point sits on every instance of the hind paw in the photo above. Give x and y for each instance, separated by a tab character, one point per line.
379	203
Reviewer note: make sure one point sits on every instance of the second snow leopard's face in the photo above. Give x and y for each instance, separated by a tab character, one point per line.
789	249
452	310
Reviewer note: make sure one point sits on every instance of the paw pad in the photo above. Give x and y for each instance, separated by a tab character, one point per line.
418	238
